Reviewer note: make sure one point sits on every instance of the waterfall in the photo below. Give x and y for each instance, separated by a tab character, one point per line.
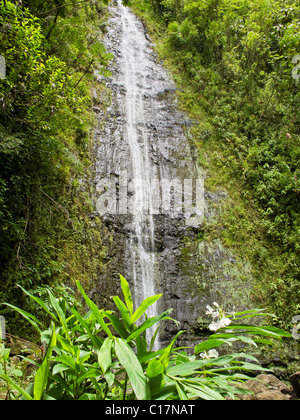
143	173
141	244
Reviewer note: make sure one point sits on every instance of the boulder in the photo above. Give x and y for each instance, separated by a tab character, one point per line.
267	387
273	383
256	386
270	396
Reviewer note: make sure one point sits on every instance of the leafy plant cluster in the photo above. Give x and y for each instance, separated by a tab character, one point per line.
235	61
104	355
51	49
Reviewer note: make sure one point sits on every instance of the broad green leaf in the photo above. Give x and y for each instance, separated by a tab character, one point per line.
4	353
149	322
127	294
39	302
59	368
167	353
265	331
65	345
48	398
110	378
88	374
56	307
83	356
154	338
277	331
104	355
144	306
84	324
202	391
180	389
232	387
67	361
88	397
124	313
150	355
186	369
251	313
230	338
219	361
154	368
208	345
117	324
247	340
155	373
141	344
96	312
133	368
41	377
167	392
249	367
30	318
60	313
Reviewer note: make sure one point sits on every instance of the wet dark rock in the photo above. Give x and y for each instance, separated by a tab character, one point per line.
295	381
190	272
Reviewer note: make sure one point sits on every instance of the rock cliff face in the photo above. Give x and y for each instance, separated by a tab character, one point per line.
156	230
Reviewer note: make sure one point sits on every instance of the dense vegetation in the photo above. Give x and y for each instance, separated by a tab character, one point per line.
235	61
100	355
51	50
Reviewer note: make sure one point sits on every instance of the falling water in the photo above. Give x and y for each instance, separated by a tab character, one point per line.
142	135
133	49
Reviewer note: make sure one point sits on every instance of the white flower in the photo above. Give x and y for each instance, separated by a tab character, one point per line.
224	322
213	354
210	355
221	322
214	326
210	311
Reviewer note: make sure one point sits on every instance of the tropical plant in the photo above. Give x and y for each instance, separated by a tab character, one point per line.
105	355
51	50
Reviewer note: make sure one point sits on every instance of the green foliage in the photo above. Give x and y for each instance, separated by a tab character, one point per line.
105	355
233	61
51	50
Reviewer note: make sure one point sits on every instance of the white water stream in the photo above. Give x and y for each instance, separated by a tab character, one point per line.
135	71
142	144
